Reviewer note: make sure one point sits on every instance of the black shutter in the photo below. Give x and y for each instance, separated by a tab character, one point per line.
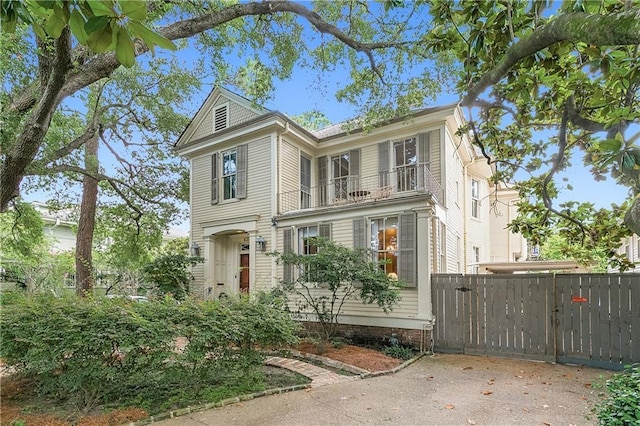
354	170
241	171
322	181
359	234
407	249
287	248
383	164
214	178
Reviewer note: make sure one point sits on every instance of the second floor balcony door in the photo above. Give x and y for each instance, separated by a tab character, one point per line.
405	163
340	175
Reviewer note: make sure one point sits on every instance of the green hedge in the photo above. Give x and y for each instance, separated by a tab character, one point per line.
114	351
622	406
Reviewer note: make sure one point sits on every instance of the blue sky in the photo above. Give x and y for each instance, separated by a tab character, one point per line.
312	90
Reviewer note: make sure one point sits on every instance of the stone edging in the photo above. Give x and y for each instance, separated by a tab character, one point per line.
229	401
362	373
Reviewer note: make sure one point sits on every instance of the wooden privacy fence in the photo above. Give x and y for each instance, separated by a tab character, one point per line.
591	319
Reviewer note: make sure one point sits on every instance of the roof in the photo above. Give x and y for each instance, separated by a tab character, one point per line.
528	266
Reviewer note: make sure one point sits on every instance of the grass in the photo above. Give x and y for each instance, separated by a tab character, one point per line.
21	405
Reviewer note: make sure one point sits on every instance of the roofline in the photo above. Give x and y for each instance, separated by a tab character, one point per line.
275	115
419	113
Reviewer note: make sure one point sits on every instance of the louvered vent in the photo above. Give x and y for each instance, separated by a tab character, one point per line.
220	118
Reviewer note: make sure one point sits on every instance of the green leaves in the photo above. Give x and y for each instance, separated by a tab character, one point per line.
102	25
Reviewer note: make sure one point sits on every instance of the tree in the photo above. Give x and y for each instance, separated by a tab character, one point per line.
169	275
333	275
111	33
557	248
575	72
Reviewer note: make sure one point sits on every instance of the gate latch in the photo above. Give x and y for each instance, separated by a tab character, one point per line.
463	289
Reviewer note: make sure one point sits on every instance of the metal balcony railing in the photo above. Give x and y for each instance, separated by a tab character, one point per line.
353	189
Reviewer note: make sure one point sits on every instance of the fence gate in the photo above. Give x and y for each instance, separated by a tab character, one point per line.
494	315
598	319
590	319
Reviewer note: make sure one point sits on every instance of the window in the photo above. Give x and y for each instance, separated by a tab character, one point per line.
384	243
340	175
405	163
229	174
304	233
475	268
305	182
638	252
221	117
475	198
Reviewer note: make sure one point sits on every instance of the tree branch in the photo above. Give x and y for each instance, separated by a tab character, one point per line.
601	30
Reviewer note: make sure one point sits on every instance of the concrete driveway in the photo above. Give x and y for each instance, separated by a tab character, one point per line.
436	390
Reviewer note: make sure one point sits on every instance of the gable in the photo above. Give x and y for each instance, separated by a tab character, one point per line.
221	110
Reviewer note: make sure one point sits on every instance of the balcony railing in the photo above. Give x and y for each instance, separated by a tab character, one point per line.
350	190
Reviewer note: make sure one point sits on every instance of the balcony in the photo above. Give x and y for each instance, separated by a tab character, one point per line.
407	180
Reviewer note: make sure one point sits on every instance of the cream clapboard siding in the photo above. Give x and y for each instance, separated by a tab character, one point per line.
454	191
478	229
406	308
290	171
258	201
369	163
436	156
237	115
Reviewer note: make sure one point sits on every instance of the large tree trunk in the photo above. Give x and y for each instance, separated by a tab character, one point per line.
86	224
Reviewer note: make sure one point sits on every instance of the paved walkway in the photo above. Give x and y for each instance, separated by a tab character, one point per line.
319	376
439	390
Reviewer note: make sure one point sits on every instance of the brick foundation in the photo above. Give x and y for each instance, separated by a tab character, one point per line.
375	336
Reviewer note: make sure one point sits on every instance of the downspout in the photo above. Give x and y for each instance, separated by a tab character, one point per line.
465	176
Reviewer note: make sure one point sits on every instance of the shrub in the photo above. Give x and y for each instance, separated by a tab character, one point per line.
114	351
622	406
398	351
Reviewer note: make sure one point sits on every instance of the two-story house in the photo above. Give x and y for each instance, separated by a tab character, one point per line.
411	190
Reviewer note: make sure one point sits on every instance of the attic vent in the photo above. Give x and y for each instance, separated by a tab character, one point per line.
221	118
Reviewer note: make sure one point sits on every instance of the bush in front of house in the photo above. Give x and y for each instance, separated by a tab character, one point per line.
116	352
622	406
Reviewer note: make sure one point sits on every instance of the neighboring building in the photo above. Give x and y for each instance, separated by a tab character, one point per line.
59	227
631	248
411	190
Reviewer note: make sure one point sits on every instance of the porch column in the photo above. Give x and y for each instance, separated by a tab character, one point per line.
252	261
423	264
209	264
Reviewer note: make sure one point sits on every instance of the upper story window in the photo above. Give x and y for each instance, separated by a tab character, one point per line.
340	175
305	182
221	117
475	198
337	176
229	168
405	152
229	174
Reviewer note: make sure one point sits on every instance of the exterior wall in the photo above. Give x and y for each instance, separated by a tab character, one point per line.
63	236
455	214
222	230
237	115
372	335
505	246
478	229
203	213
631	247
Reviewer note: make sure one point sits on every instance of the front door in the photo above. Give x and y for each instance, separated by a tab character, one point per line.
244	274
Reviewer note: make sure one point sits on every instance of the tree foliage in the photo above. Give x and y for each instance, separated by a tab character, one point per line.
572	73
169	274
323	282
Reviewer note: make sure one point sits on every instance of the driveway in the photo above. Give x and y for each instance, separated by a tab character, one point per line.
436	390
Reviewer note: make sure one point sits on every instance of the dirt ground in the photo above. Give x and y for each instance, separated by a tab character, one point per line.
365	358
